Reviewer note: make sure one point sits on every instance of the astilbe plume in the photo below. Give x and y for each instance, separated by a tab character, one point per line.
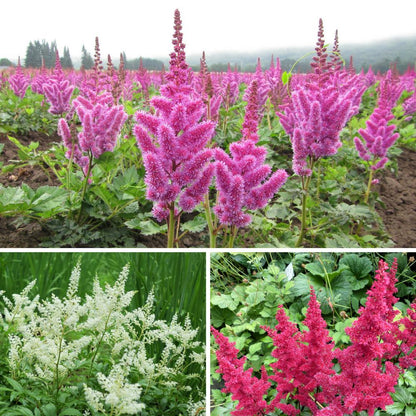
301	357
243	180
19	81
173	140
228	87
317	112
247	389
101	122
58	90
368	375
378	135
277	91
262	88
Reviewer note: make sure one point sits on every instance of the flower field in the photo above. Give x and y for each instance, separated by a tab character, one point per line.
182	158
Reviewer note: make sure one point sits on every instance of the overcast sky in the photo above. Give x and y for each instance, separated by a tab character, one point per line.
145	28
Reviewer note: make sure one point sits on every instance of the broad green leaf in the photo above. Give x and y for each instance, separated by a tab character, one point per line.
395	408
195	225
410	411
70	412
224	302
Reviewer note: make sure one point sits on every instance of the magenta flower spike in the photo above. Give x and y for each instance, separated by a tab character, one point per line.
173	141
101	124
58	90
243	180
18	81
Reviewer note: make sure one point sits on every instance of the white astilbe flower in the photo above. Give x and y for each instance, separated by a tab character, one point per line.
120	396
113	352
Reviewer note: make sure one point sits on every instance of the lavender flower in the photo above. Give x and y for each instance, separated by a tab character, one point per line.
58	90
18	81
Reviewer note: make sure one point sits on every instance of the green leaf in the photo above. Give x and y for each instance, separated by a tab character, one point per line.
70	412
196	225
224	302
395	408
49	409
22	411
286	77
410	412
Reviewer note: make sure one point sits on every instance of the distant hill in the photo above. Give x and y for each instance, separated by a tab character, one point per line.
379	55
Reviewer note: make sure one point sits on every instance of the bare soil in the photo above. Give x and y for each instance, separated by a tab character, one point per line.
397	192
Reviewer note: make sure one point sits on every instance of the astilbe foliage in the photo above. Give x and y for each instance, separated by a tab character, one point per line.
243	180
381	347
173	140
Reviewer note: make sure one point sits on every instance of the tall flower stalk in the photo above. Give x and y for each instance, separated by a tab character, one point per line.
318	110
173	142
379	136
243	180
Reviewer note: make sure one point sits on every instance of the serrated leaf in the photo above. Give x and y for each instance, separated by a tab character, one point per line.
224	302
196	225
410	412
395	408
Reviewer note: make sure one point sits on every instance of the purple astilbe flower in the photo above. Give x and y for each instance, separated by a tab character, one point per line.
19	81
278	92
243	180
262	88
378	135
204	86
228	88
101	124
40	78
58	90
173	139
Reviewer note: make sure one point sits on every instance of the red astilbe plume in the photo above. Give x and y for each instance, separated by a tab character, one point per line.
247	389
368	375
303	359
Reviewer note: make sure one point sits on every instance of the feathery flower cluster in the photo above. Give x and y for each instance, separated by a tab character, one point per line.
58	90
50	338
244	387
173	140
382	346
243	180
378	135
317	112
101	124
19	81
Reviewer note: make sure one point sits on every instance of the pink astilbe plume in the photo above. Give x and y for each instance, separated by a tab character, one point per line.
173	139
245	388
58	90
101	125
379	136
243	180
19	81
317	112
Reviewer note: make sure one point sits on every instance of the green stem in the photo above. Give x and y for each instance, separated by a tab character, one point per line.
85	184
208	216
370	180
171	226
233	234
306	180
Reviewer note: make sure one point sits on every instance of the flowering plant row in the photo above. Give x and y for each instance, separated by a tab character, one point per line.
307	370
181	121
